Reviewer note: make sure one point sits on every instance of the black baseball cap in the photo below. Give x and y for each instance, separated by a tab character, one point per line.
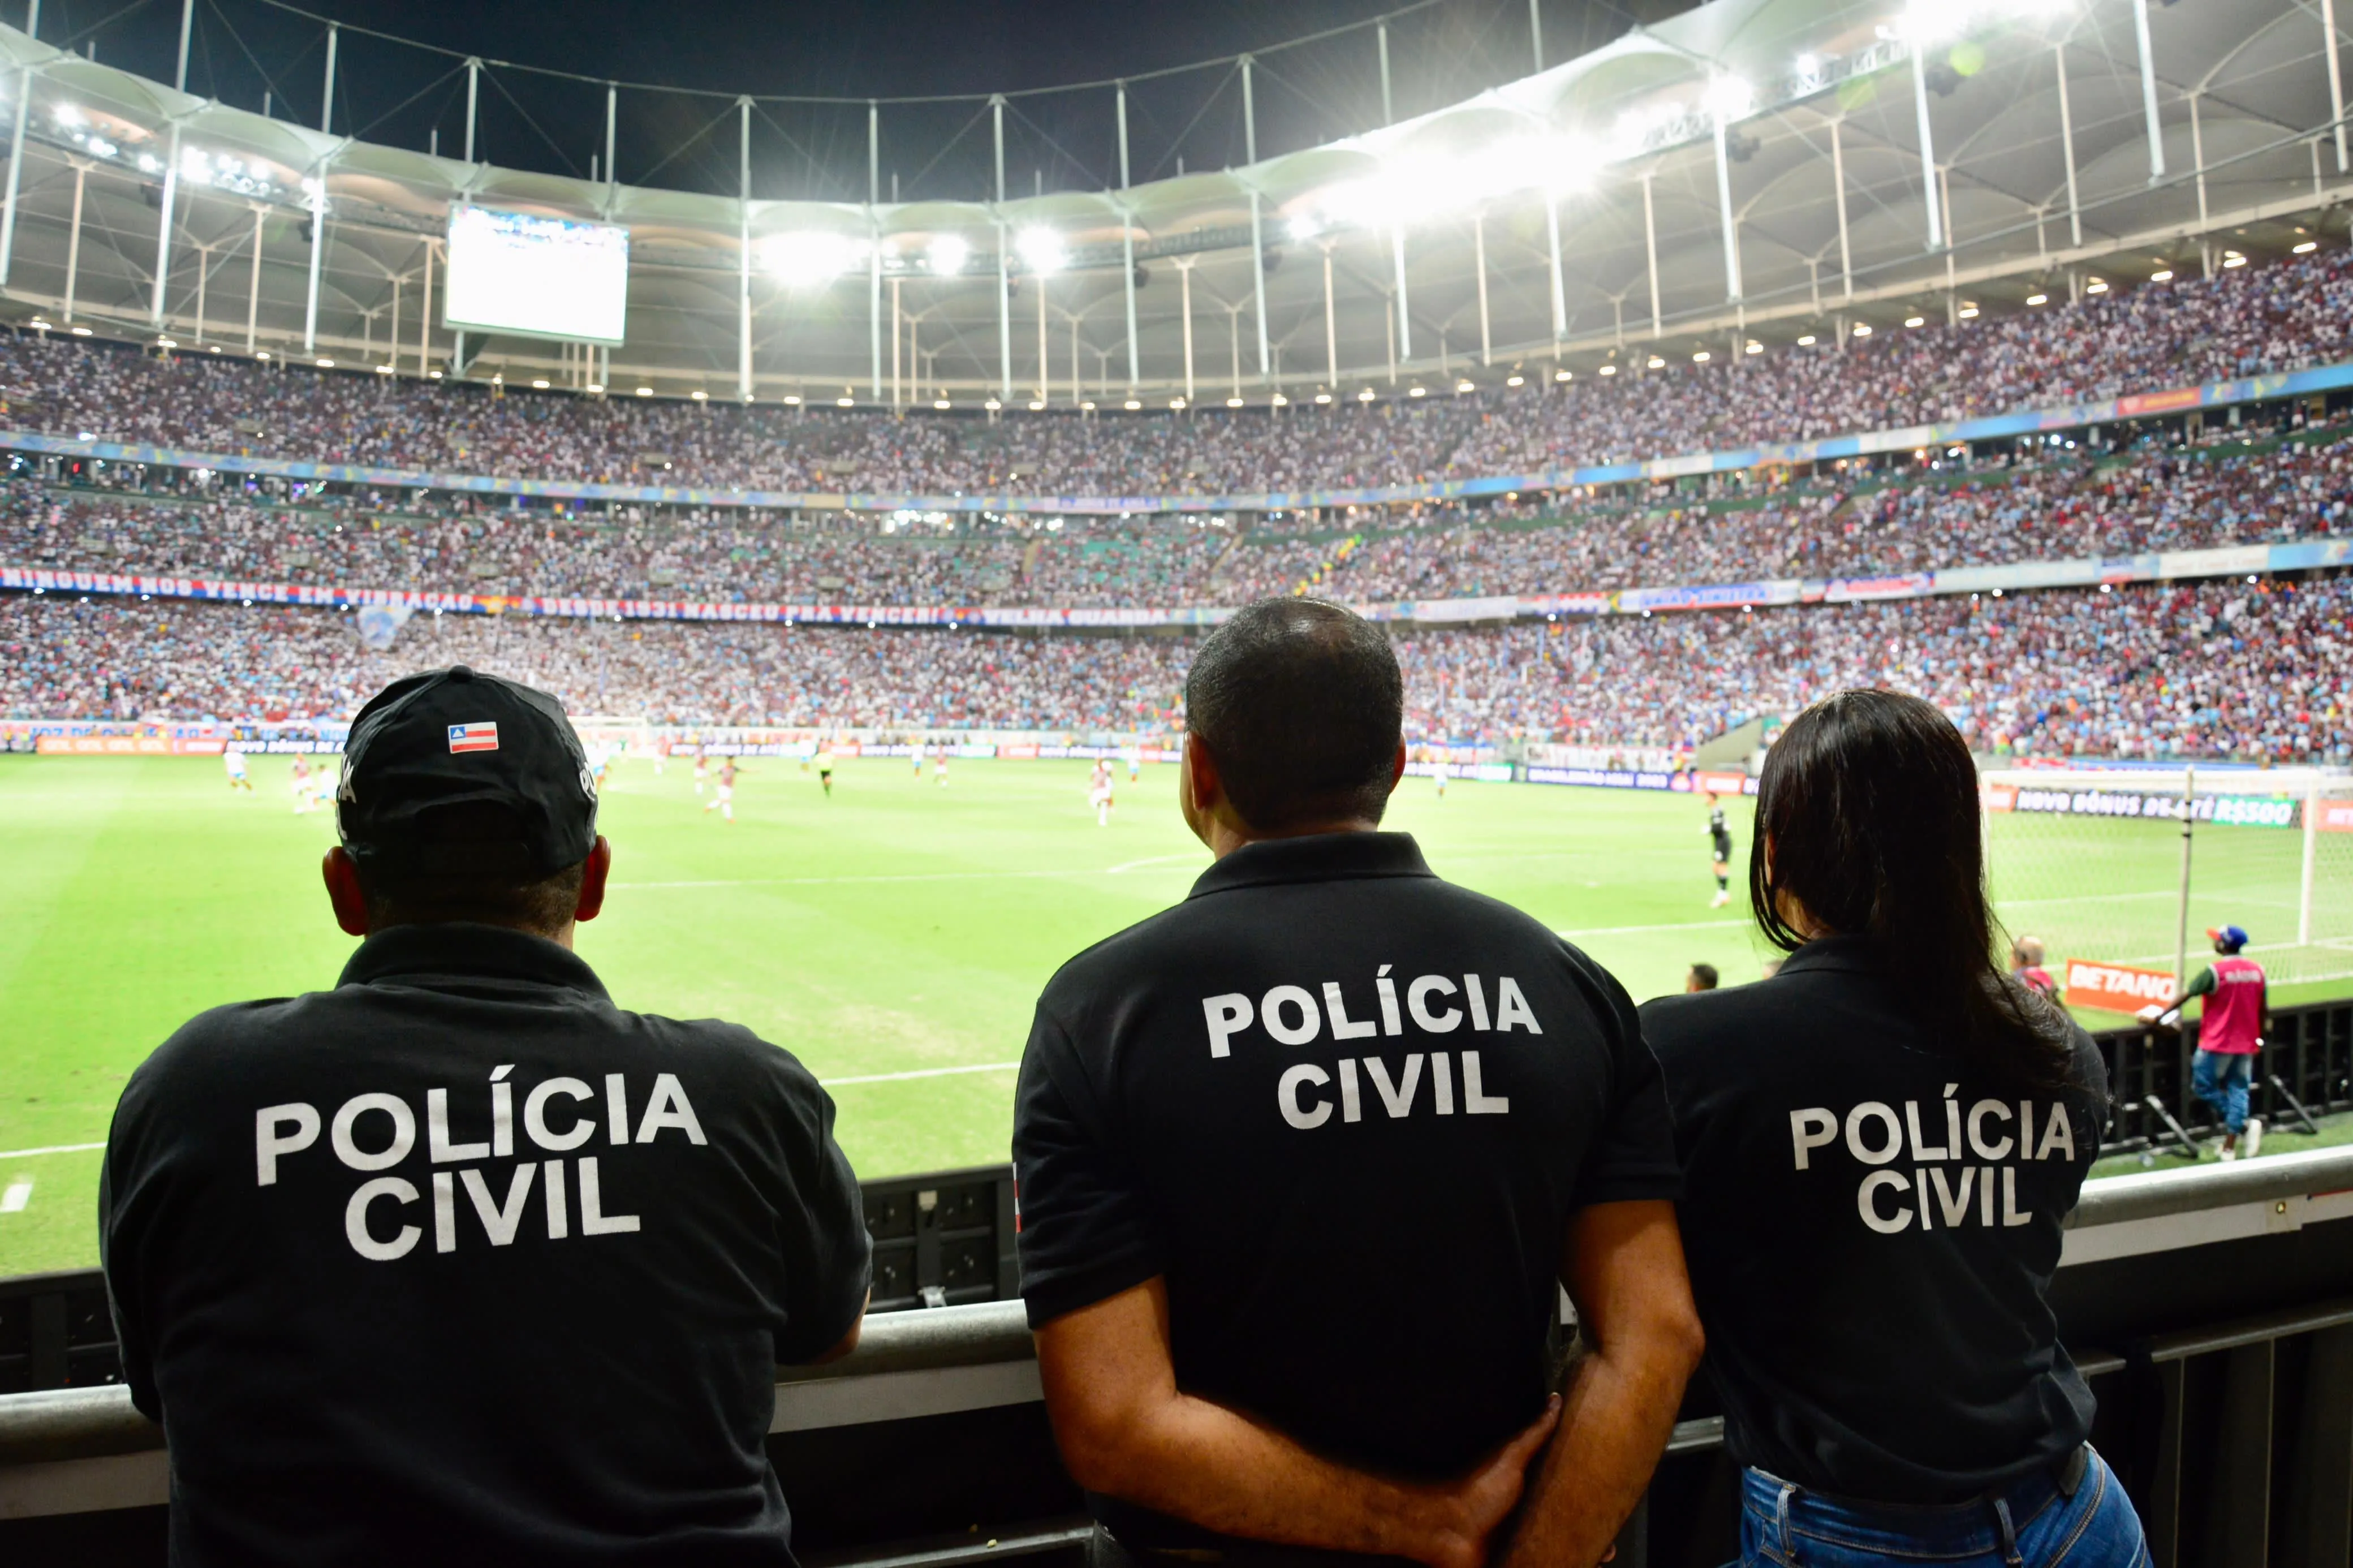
458	737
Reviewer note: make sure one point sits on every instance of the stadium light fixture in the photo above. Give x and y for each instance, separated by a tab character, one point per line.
1699	356
1279	401
81	331
845	403
1808	64
2233	258
1515	381
991	404
1754	347
324	363
1806	342
1175	403
1042	250
1728	98
792	400
1915	321
168	342
1037	405
2096	286
2162	274
700	395
645	391
539	383
433	376
810	257
386	370
2037	298
1366	395
593	386
1564	375
68	115
1465	384
946	255
1305	227
1655	362
1968	312
2306	248
262	355
1233	402
941	404
1605	370
1323	398
1862	328
1133	405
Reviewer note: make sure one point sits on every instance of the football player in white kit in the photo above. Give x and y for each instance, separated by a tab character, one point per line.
1099	792
234	761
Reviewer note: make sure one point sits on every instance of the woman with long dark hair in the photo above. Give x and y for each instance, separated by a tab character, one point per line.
1880	1144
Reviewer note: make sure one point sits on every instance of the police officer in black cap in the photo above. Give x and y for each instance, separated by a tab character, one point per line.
459	1260
1306	1160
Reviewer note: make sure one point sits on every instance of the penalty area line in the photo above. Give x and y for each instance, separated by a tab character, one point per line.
53	1149
921	1072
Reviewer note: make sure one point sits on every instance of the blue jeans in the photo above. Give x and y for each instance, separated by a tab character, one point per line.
2221	1080
2030	1526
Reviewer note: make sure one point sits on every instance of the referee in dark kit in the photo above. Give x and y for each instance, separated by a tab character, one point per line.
458	1261
1305	1161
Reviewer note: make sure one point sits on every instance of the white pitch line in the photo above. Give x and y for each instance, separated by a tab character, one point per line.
1127	865
53	1149
1631	931
18	1195
922	1073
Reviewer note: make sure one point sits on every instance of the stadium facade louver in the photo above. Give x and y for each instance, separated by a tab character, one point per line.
1745	173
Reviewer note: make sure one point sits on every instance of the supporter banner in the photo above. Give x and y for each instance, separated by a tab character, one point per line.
2333	816
1711	596
2214	394
1602	778
125	746
2118	987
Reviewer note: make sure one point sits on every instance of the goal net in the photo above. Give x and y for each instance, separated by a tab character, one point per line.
2091	862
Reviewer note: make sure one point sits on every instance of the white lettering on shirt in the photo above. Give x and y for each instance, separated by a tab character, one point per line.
1286	1097
1385	989
355	1220
667	1108
1417	1002
1998	1149
594	1220
1441	1081
1873	1111
1476	1101
1342	1026
436	1132
1226	1016
1810	1130
404	1133
1511	1008
535	1115
1943	1189
1396	1098
1352	1105
1477	996
1884	1224
500	1221
1269	1012
302	1124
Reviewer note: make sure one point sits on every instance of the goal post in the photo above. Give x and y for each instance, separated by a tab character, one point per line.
2093	862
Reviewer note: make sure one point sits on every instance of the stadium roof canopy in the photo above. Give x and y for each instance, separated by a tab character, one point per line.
1563	219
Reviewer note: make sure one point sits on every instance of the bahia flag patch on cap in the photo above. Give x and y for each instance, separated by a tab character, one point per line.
473	737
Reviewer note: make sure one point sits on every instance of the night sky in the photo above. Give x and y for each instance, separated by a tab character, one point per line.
397	95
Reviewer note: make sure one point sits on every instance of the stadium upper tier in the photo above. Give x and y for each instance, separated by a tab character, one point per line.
2252	485
2137	336
2240	669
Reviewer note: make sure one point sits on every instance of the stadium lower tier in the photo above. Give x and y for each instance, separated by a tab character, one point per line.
2239	669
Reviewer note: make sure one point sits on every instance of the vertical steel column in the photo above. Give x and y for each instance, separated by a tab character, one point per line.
1041	334
73	237
1927	143
316	188
1479	250
874	249
2067	146
204	266
744	249
2197	160
171	173
1724	203
1552	240
1127	251
327	93
473	96
16	148
2148	91
1838	180
1536	32
424	318
391	338
612	171
2336	77
1650	247
1331	328
1003	277
1257	238
1404	321
1388	113
253	285
898	381
1185	289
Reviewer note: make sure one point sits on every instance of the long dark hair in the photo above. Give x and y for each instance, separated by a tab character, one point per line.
1868	810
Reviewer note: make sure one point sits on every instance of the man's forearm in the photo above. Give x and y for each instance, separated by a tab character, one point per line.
1619	1411
1219	1469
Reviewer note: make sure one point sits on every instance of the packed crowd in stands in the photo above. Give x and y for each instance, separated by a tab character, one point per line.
2228	667
2064	505
2142	338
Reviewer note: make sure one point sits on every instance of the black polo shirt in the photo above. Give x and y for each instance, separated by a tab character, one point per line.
459	1260
1346	1109
1871	1225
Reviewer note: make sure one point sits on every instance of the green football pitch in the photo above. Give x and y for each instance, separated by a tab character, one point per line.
893	936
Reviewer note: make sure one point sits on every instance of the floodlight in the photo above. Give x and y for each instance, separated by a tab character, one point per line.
992	405
645	391
1465	386
1699	356
1515	381
2306	248
326	364
2162	274
67	114
593	386
1417	391
1915	321
1808	64
386	370
1305	227
792	400
2037	298
946	255
1131	405
150	165
1278	400
1366	395
2234	259
1042	250
1035	403
1605	370
1968	312
168	342
1862	328
1806	342
810	257
539	383
700	395
2096	286
1233	402
1323	398
845	402
1655	362
941	404
1564	375
1175	403
1728	98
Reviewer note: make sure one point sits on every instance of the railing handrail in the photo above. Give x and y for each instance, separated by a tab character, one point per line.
2154	1194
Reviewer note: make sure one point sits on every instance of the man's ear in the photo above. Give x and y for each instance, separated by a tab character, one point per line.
1397	767
342	875
1203	787
592	880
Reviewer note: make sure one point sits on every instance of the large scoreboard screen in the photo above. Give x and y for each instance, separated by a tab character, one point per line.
543	277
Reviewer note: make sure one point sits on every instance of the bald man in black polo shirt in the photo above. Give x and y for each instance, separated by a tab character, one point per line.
1305	1160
